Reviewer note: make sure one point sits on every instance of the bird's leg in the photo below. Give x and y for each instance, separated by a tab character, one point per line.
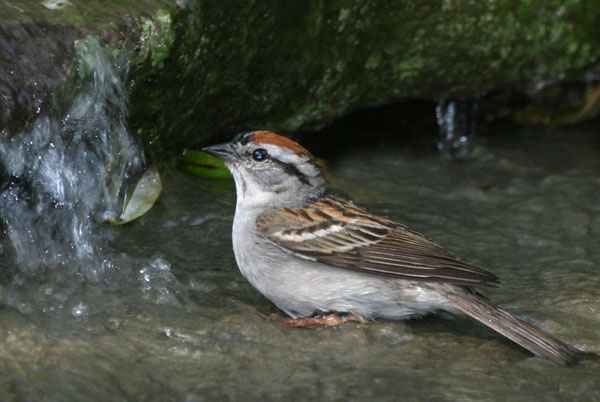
326	320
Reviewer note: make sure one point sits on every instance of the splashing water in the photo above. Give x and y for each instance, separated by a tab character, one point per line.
73	168
457	124
68	168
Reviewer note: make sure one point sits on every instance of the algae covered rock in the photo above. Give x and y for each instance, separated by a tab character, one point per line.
292	66
202	68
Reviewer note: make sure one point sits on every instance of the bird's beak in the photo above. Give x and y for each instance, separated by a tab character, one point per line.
224	152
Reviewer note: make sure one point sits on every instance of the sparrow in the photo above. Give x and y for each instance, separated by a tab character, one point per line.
324	260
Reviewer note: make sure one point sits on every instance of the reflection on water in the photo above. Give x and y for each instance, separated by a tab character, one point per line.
170	319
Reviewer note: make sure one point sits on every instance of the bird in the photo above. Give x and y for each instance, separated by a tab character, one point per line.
324	260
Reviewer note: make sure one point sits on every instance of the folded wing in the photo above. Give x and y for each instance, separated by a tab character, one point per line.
337	232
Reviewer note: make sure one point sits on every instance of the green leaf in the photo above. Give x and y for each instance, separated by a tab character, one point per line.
201	164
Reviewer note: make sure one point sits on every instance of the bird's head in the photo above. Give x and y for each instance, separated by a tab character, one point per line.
270	170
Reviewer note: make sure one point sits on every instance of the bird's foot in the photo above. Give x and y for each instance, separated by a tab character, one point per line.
326	320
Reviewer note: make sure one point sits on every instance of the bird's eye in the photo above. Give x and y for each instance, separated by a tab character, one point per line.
260	155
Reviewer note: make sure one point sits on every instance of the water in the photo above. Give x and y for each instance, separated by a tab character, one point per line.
68	167
170	317
457	121
157	310
61	177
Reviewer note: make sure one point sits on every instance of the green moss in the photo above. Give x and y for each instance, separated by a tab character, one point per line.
221	67
213	67
156	39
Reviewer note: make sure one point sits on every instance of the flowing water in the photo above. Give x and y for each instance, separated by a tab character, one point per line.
157	310
170	318
456	119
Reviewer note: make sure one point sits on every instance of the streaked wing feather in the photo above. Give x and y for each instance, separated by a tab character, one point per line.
337	232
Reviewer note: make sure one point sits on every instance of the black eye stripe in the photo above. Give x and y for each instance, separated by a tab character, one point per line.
261	155
292	170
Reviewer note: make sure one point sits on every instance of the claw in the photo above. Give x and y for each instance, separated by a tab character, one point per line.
327	320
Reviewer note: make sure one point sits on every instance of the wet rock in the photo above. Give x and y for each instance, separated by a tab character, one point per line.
202	68
299	66
33	67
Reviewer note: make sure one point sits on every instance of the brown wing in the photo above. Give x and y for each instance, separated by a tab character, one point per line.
337	232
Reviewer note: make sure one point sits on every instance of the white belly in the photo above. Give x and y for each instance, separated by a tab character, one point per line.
302	288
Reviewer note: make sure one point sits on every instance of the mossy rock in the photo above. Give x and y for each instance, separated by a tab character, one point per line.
200	69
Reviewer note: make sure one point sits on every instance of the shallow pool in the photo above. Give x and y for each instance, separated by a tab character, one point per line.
162	313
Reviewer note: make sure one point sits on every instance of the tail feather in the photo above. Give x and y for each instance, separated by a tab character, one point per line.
518	330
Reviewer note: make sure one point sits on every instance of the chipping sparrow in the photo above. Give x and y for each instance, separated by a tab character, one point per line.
323	260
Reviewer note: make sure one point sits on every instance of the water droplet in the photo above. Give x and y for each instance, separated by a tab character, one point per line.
456	120
79	310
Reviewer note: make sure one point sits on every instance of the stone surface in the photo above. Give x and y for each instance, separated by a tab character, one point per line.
207	67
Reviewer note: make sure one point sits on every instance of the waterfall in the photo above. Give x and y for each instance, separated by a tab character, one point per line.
68	170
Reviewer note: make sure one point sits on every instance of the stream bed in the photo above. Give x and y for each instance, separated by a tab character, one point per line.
160	311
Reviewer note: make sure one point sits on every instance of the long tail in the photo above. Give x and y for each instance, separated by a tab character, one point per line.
516	329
